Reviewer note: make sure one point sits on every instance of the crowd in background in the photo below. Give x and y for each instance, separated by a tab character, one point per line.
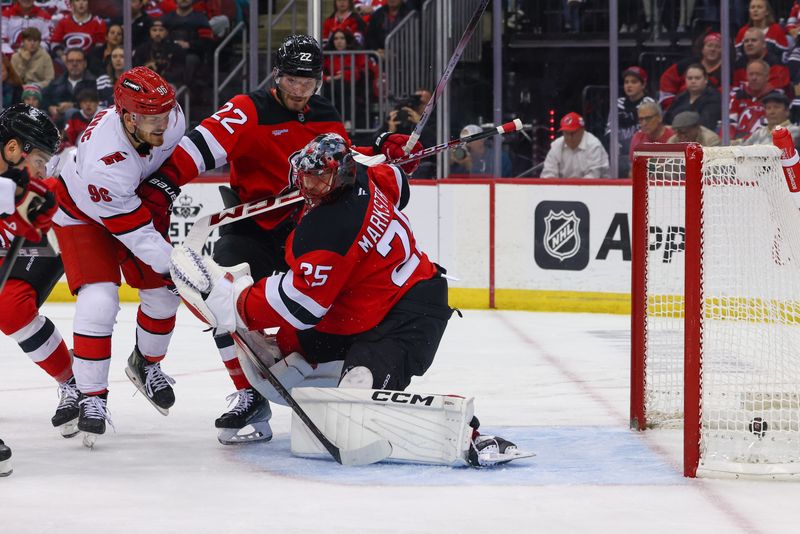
765	93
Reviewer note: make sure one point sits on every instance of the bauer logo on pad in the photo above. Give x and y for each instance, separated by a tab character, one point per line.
561	235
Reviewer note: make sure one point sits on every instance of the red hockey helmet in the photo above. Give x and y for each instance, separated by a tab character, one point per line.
140	90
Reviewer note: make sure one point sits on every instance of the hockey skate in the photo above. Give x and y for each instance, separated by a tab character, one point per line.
66	416
151	381
93	416
5	460
487	451
251	411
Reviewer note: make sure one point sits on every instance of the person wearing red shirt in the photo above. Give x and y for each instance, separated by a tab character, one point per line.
344	17
762	18
651	127
20	15
79	30
746	104
673	80
755	47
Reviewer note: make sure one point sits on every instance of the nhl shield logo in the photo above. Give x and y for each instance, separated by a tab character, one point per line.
562	239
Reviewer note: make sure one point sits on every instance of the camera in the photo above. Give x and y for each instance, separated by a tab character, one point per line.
459	152
412	101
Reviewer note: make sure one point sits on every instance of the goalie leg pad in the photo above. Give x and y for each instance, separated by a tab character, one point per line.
292	371
421	428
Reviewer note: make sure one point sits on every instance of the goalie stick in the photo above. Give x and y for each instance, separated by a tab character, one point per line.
368	454
370	161
448	71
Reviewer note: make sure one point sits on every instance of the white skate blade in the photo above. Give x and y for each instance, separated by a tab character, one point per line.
488	459
249	434
69	429
140	387
5	468
88	439
369	454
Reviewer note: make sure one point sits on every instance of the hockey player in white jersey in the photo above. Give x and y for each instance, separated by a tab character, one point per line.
104	228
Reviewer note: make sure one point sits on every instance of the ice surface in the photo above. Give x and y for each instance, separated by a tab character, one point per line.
553	383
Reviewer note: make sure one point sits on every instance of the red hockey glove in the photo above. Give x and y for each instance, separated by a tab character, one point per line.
19	177
34	214
157	194
391	145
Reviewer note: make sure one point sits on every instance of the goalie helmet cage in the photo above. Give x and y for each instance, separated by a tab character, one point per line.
715	307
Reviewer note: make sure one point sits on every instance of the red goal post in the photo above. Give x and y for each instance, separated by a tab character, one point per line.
715	307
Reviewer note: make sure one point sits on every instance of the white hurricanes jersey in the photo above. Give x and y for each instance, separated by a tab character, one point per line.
101	179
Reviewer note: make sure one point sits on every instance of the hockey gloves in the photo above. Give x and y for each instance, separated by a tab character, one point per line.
391	145
35	207
157	194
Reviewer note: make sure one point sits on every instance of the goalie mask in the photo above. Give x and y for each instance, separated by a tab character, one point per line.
324	167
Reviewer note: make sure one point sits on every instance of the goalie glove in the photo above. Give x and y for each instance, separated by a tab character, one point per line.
209	290
391	145
34	211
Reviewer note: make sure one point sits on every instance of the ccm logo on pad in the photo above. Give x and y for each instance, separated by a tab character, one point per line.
402	398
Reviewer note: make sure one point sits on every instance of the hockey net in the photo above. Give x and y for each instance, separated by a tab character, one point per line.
715	319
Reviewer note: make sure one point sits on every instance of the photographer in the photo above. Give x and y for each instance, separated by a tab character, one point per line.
477	158
404	118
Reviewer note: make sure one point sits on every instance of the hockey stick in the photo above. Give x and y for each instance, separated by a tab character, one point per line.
11	259
199	233
370	161
451	65
368	454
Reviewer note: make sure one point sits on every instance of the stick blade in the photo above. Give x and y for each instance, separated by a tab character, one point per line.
369	454
369	161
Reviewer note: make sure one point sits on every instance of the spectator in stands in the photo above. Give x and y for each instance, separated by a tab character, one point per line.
162	55
20	15
31	61
634	84
755	47
571	11
59	96
105	82
155	9
688	129
793	64
383	21
776	113
365	8
699	97
140	23
709	55
405	117
190	30
762	18
79	30
344	17
100	56
341	73
477	157
80	119
32	95
577	153
651	127
746	103
11	83
220	13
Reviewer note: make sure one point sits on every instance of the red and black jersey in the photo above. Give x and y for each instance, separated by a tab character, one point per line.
256	135
350	261
779	76
85	35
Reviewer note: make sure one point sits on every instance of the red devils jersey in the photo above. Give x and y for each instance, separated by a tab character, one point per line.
350	261
256	135
84	35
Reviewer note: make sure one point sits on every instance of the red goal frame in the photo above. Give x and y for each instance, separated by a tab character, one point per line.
693	253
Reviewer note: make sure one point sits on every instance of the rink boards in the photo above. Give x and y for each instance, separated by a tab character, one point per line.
546	245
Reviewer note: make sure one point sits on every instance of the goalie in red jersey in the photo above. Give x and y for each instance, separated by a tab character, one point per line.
357	290
257	134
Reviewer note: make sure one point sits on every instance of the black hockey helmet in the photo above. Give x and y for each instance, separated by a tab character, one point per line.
323	167
31	127
299	55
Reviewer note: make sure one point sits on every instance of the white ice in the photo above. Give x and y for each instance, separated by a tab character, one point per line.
554	383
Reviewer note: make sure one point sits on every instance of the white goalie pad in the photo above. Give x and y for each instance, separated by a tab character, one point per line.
292	371
421	428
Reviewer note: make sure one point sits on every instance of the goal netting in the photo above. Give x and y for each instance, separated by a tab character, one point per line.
716	307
